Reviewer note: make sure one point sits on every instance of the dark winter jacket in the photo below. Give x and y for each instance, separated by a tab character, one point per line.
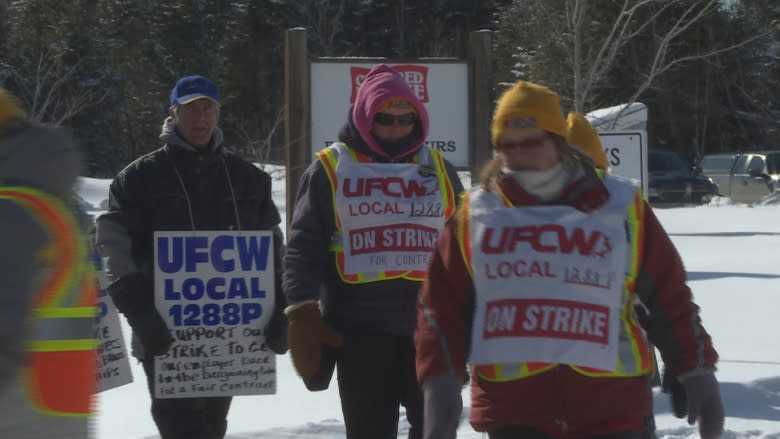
384	307
177	187
562	402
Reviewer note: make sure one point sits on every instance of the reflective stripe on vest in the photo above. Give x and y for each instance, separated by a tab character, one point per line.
634	352
60	373
329	157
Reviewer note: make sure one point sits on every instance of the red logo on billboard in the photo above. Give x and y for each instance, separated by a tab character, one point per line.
416	76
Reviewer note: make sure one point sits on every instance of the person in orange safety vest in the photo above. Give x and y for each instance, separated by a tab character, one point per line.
368	212
48	356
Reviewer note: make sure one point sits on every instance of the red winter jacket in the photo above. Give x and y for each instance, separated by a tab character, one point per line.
561	402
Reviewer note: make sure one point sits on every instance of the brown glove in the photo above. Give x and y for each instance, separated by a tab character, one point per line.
306	334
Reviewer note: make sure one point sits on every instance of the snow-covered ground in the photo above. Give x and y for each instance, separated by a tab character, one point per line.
731	253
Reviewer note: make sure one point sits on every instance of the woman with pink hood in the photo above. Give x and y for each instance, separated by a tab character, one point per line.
368	213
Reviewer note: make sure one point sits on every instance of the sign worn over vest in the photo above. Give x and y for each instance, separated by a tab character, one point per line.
552	287
60	372
388	215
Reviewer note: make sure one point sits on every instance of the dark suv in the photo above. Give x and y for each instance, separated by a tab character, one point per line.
672	183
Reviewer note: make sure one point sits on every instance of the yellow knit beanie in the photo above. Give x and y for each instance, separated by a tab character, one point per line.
584	137
528	105
9	107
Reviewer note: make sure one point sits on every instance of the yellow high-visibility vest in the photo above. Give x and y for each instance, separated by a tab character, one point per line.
61	369
330	158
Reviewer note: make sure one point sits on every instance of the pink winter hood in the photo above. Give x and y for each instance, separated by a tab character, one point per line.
381	84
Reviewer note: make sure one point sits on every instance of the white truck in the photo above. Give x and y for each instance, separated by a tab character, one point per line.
745	177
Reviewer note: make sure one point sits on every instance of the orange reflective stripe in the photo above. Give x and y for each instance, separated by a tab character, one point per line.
447	192
416	275
504	198
329	160
359	156
66	251
62	383
464	231
487	372
535	367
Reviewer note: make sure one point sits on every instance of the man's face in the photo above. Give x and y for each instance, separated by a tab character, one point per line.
196	121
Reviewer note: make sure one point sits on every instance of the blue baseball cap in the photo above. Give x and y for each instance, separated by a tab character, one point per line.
190	88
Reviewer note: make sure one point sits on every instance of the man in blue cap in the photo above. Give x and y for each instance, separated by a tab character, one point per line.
191	183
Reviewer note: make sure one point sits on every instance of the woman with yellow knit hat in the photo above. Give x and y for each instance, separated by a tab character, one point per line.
584	137
534	284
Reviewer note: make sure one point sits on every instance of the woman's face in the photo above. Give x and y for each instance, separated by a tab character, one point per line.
527	149
393	123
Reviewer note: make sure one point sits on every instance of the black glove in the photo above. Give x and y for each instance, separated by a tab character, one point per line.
276	332
671	385
133	296
150	328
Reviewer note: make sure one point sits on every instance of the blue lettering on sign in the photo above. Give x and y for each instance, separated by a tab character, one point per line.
212	314
216	288
218	246
250	250
175	253
194	246
170	260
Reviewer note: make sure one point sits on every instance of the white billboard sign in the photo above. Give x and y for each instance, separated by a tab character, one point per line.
627	154
442	87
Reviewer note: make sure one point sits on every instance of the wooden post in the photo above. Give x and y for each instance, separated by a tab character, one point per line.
296	101
480	58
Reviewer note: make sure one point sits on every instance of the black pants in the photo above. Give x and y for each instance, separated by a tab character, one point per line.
527	433
376	374
187	418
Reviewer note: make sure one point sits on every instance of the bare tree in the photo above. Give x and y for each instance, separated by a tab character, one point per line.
322	20
261	148
48	90
590	64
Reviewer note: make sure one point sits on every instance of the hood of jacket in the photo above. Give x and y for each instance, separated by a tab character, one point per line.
169	135
40	156
381	84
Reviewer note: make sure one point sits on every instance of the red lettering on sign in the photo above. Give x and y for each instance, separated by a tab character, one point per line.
562	319
416	76
545	238
390	186
405	237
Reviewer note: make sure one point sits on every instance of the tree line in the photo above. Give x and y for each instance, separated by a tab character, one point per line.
708	70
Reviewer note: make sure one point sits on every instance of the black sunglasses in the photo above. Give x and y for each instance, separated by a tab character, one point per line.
527	143
387	120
